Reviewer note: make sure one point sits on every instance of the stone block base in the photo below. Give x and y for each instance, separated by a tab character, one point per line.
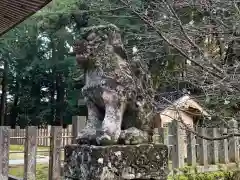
116	162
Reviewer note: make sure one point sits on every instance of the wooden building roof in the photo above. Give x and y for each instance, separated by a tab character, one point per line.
13	12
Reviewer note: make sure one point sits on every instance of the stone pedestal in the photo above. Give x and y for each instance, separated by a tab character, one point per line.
117	162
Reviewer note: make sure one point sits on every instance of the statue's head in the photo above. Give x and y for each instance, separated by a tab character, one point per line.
94	40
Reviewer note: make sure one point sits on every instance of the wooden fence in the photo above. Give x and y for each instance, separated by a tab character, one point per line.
56	137
185	148
17	136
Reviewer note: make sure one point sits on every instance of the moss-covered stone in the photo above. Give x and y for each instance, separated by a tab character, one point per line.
117	162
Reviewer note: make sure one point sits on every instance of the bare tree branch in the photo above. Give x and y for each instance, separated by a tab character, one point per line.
158	31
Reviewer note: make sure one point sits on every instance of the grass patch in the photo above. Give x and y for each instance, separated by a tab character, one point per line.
41	171
20	148
42	174
203	176
20	155
190	173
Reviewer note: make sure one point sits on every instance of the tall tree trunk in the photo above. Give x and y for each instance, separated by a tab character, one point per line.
60	99
53	83
4	93
14	109
52	97
35	106
60	89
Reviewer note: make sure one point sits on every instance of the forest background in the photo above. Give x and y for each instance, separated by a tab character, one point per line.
181	45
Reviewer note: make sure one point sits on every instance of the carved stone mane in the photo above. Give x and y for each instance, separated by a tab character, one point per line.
110	89
102	53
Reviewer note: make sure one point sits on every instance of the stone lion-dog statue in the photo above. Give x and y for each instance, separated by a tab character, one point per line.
115	113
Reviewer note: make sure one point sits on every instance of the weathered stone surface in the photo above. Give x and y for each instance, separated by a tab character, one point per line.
113	92
116	162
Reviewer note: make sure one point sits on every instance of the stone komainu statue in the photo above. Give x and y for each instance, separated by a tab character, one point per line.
116	112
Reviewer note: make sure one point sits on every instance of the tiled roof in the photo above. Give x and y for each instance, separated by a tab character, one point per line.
185	102
13	12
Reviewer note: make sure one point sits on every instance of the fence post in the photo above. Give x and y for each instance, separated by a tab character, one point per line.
30	153
48	134
41	136
45	136
202	147
55	153
64	137
178	145
17	135
233	141
166	134
69	128
78	123
4	149
170	140
223	148
22	135
191	149
11	135
213	146
163	132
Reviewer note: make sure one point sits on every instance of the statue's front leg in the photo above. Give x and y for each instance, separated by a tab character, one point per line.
88	134
111	125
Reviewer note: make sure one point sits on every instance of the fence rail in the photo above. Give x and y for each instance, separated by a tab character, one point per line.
185	148
17	136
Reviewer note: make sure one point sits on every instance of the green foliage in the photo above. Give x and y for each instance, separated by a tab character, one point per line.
188	174
44	81
41	171
41	81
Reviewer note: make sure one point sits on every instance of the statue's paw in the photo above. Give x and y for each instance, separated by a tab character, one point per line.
87	136
105	139
133	136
